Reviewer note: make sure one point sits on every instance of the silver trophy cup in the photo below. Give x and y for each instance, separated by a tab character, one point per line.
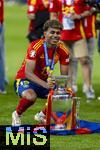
62	102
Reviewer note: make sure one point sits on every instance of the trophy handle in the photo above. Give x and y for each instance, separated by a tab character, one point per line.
61	78
62	82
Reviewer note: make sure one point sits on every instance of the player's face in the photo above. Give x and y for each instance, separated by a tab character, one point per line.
52	36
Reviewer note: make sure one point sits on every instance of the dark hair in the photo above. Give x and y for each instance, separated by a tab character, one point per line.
52	24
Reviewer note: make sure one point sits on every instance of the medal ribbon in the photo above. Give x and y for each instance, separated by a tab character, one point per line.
49	66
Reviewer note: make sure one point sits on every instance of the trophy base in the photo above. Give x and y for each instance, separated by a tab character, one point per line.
59	127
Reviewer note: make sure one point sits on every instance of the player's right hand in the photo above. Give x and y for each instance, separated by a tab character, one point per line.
51	83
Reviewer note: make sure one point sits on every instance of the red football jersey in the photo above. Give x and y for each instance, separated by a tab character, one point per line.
35	6
73	30
35	52
89	24
1	11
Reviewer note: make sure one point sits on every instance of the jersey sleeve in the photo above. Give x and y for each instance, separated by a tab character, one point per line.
54	6
79	6
32	6
31	53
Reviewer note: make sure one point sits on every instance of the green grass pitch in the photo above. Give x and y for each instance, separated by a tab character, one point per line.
16	26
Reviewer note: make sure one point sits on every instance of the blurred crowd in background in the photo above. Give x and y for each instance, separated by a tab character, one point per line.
17	1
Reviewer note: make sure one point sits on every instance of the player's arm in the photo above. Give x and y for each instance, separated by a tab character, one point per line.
31	10
64	69
53	15
29	69
84	14
53	9
87	13
64	58
31	16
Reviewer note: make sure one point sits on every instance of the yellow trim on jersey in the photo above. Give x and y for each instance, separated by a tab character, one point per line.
82	30
63	47
17	84
33	2
93	26
38	44
56	58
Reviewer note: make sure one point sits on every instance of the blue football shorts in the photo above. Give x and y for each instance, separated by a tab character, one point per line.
21	85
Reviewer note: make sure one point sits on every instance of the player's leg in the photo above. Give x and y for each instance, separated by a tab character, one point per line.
28	96
74	66
98	40
41	115
81	52
2	61
91	45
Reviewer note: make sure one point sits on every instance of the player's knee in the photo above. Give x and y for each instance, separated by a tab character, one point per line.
30	95
90	60
84	61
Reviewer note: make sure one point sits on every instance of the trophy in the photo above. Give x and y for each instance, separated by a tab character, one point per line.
62	105
60	95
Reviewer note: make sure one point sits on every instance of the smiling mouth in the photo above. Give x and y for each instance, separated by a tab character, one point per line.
55	39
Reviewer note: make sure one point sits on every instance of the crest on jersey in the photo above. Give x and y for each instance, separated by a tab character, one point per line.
31	8
32	53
